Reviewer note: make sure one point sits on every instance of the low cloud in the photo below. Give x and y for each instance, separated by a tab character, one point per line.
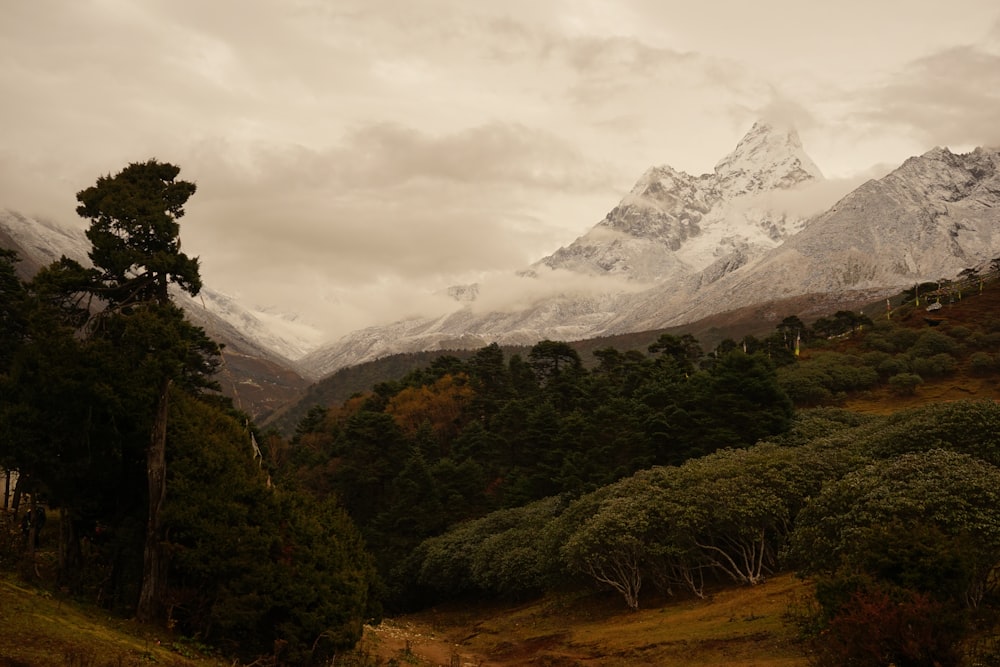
514	292
817	196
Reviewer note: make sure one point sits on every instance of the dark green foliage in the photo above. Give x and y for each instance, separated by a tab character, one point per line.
826	375
903	338
982	364
135	234
683	351
13	304
970	427
519	431
875	359
936	507
505	554
804	386
550	359
897	543
821	423
894	366
932	342
937	365
905	384
741	403
257	570
842	322
985	341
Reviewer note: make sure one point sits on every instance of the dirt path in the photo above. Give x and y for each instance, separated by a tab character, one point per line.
392	639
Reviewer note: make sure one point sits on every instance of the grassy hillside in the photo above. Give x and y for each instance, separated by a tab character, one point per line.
976	317
732	628
43	629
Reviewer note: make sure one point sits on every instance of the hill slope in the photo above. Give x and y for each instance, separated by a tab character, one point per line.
734	628
43	630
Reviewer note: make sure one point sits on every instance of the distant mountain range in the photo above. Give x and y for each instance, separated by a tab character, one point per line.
256	372
679	248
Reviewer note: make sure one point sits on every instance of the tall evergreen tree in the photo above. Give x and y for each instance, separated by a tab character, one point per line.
137	255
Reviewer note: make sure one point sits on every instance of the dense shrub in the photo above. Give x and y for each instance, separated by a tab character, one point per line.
960	332
981	363
938	365
874	359
923	521
902	338
932	342
880	342
902	552
985	341
905	384
825	375
894	366
804	386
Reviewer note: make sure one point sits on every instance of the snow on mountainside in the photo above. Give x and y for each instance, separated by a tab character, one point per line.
41	242
692	247
278	332
673	224
934	216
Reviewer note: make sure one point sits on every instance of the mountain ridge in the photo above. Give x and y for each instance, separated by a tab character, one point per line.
680	256
676	249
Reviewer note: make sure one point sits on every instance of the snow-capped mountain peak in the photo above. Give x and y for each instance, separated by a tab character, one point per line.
672	224
770	156
697	246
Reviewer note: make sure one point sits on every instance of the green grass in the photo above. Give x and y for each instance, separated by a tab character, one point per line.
42	629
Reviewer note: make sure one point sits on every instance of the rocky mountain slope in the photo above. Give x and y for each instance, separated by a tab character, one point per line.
679	248
673	224
258	371
932	217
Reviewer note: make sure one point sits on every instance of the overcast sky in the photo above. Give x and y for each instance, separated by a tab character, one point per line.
353	157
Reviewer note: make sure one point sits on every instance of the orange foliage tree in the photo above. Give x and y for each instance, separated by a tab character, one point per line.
440	405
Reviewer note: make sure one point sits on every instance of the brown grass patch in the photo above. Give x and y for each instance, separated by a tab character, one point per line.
735	627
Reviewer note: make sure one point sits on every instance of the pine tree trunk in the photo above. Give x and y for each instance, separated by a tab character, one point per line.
154	558
70	555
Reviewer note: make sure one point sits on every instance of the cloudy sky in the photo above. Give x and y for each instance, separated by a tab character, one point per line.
355	157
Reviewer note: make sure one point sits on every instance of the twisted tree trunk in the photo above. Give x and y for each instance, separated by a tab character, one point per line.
154	558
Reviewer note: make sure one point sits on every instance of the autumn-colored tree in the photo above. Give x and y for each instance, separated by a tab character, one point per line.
441	405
